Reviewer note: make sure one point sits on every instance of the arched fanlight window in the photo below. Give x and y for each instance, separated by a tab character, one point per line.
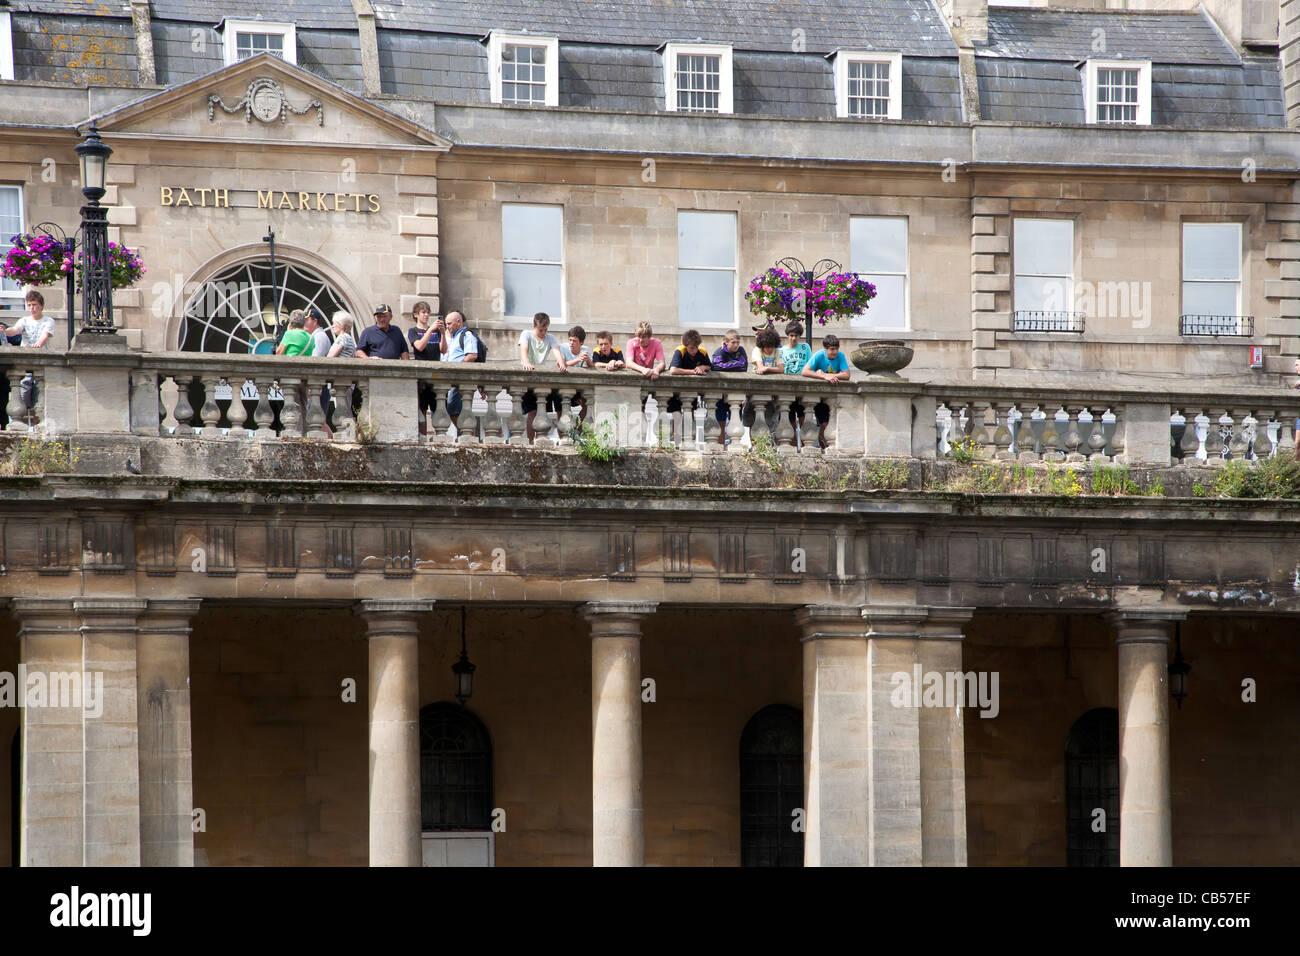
1092	784
771	787
455	770
234	311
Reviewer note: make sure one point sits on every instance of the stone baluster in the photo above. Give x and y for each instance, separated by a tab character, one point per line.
210	412
184	411
1095	440
1221	429
17	408
1177	429
494	425
785	432
807	437
263	414
1243	445
1193	436
760	427
1076	436
313	415
1054	434
1286	433
982	429
735	429
146	409
237	414
1037	432
1002	439
166	403
515	423
943	422
291	413
700	417
810	427
344	426
470	416
714	430
1114	434
566	419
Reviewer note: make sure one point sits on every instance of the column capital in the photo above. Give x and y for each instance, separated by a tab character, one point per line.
380	606
945	623
896	621
169	614
596	609
1144	625
42	613
831	621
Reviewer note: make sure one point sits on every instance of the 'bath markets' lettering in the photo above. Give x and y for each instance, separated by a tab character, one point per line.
209	197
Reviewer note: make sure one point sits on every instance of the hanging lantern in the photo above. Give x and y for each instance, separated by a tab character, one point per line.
463	669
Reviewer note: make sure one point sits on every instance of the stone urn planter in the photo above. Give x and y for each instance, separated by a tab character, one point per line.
882	357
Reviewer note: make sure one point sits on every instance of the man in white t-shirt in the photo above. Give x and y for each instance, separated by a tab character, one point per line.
320	339
34	329
535	347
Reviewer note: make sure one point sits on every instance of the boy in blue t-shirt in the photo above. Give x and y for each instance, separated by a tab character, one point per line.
830	365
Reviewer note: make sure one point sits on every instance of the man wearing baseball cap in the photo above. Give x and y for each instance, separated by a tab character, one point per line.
382	340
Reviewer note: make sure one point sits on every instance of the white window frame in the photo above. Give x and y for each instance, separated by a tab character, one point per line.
734	269
1143	67
1069	303
497	42
720	50
6	46
842	59
854	324
1239	282
15	298
230	29
557	321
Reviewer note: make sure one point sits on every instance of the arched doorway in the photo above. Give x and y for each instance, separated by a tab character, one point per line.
1092	784
455	787
771	787
235	309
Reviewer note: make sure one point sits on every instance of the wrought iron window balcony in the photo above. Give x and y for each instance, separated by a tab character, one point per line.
1237	325
1023	321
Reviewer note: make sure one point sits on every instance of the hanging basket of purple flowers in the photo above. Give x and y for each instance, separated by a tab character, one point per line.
125	267
780	294
36	260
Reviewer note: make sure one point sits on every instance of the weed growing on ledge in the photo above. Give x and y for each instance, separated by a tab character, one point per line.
1268	478
596	442
965	451
367	432
36	456
888	475
763	452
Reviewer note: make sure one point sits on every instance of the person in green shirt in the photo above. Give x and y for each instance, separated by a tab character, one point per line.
297	341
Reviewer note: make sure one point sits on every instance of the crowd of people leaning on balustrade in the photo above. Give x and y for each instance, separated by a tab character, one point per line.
438	338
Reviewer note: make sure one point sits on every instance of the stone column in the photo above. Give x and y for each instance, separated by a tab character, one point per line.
392	631
1146	833
53	783
110	730
894	736
617	817
942	743
163	706
835	742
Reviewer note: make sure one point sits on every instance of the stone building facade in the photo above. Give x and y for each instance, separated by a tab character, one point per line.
276	624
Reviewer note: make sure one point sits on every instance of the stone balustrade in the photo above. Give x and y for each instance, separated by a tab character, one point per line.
183	395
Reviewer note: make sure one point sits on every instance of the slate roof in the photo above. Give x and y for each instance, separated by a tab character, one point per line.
909	26
1037	34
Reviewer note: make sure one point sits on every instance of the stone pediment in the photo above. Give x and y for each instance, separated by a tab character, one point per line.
266	100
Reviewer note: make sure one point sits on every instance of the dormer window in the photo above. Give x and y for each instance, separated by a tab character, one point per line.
525	69
1118	92
868	85
697	77
247	38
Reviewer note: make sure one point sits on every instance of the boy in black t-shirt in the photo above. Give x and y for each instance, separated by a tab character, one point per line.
606	357
425	338
688	359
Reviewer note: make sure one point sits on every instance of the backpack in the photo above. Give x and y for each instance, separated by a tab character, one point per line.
482	346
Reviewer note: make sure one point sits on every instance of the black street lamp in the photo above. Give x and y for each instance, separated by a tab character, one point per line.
96	264
463	669
807	276
1178	671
